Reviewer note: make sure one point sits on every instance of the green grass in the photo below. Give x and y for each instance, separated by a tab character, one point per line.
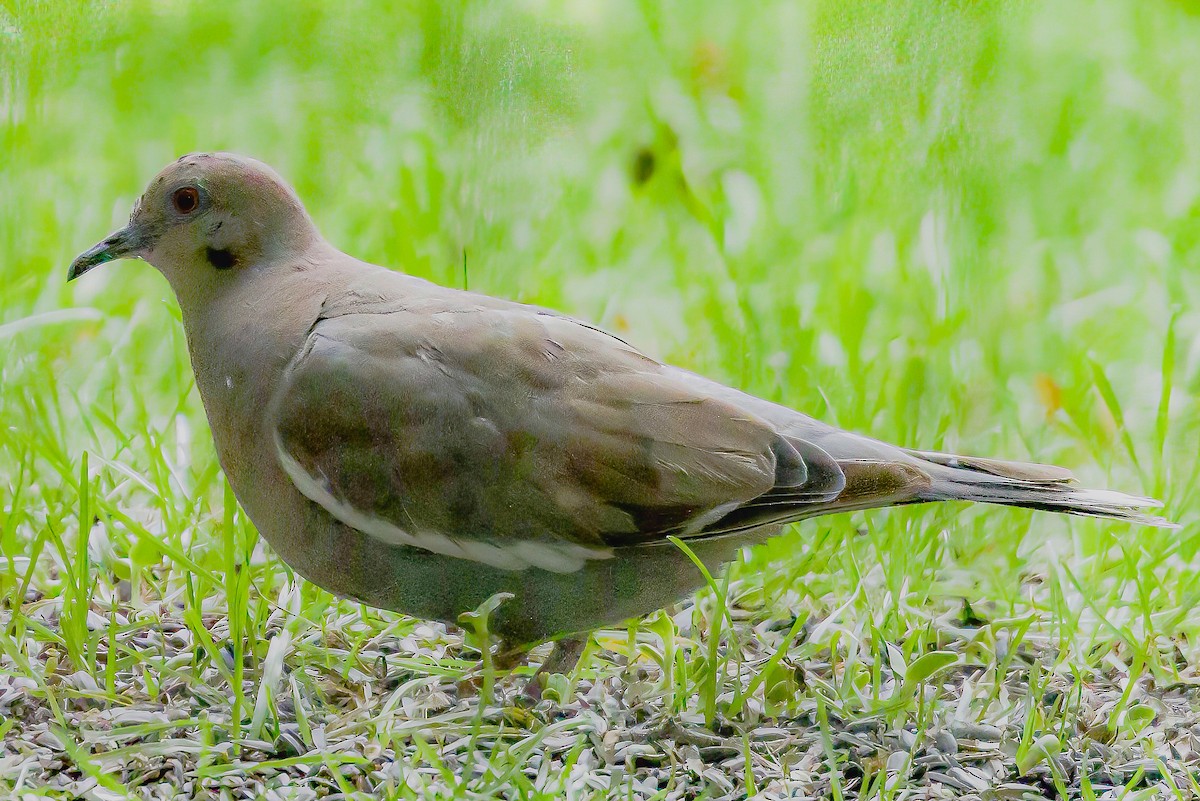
962	226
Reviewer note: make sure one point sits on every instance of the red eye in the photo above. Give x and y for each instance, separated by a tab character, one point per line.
186	199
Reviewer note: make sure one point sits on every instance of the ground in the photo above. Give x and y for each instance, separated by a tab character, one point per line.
961	226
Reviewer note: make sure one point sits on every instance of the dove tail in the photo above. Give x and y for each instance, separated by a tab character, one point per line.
1031	486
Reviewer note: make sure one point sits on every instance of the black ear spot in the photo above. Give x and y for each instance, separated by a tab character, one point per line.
221	259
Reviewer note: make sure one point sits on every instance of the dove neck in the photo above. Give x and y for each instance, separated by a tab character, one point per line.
240	338
250	272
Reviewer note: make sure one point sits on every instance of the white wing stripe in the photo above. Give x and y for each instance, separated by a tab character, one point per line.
566	557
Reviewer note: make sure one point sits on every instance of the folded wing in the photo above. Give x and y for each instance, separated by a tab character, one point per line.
517	438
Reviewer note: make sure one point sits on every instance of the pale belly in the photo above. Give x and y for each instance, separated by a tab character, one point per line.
545	605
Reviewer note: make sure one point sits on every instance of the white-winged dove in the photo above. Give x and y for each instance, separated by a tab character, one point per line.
421	448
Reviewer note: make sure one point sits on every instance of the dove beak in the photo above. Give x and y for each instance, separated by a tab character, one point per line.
118	245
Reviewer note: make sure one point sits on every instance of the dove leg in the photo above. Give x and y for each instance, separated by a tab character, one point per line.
564	656
509	657
506	658
562	659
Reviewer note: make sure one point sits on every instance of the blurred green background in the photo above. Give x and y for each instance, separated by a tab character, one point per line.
908	218
954	225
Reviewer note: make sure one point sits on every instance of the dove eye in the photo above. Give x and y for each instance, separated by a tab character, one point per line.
186	199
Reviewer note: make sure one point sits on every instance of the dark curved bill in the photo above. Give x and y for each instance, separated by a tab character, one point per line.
118	245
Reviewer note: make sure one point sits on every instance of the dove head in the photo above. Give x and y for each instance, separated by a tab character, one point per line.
205	219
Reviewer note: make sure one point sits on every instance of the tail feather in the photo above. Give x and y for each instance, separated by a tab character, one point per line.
1030	486
1019	471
